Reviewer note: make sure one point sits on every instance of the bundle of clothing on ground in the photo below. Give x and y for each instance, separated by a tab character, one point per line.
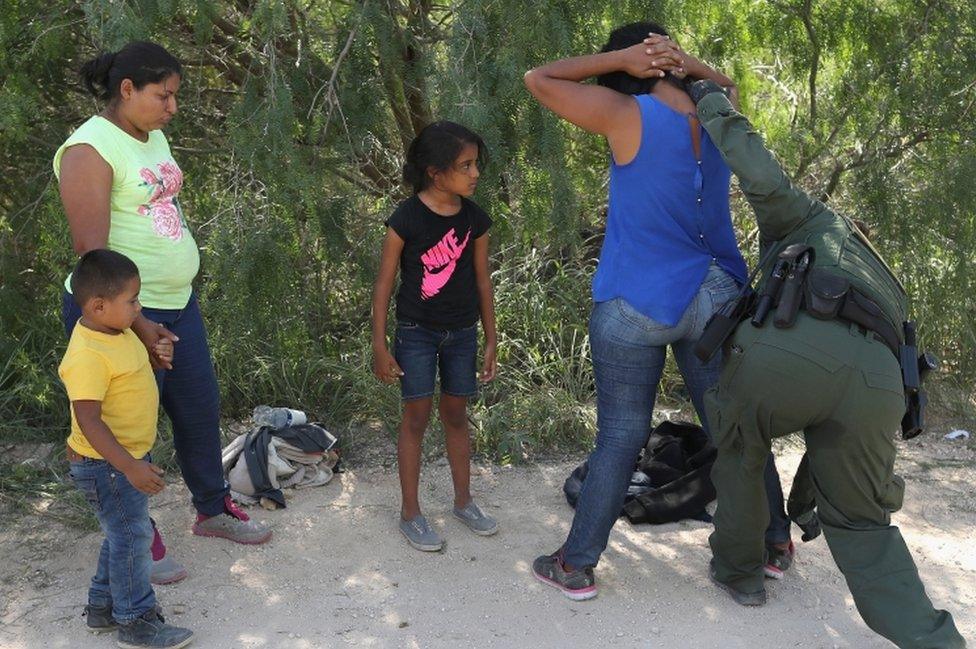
672	478
262	462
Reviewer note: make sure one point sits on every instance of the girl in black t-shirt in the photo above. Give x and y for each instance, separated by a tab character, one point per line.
439	240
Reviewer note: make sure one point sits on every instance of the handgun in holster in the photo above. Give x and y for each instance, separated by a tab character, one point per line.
914	368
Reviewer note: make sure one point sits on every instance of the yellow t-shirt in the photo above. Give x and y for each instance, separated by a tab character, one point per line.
115	370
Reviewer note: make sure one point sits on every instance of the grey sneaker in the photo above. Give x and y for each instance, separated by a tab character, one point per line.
151	630
233	525
99	619
421	535
476	520
577	585
166	571
757	598
226	526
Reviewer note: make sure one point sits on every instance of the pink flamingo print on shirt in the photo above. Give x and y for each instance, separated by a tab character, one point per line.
439	263
163	206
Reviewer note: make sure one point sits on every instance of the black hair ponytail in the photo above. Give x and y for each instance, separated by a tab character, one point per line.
94	75
142	62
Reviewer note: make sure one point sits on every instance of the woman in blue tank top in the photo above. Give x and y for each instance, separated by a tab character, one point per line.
669	260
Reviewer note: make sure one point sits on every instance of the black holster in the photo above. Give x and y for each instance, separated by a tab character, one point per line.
914	368
722	323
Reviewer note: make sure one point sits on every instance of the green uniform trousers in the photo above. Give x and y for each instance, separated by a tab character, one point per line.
842	387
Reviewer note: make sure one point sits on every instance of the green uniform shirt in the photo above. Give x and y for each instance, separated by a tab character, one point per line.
147	224
786	215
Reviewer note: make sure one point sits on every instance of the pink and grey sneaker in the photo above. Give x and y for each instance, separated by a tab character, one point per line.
165	569
577	585
778	561
233	525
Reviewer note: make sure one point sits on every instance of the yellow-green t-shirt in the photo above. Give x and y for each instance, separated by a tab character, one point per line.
115	370
146	221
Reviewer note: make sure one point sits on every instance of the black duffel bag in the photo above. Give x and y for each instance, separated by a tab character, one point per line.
671	480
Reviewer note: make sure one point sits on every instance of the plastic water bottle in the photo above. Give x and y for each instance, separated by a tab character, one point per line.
278	418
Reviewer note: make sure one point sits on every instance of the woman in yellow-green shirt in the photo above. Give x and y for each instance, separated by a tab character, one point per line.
120	189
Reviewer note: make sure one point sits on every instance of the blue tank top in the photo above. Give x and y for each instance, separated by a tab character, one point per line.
668	219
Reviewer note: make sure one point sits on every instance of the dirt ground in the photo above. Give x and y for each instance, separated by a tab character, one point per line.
337	573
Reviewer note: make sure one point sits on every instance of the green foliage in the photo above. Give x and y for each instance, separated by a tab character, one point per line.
40	490
294	118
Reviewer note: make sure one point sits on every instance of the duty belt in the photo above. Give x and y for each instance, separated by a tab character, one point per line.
829	297
795	284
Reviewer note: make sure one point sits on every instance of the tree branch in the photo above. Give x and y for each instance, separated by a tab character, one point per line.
807	17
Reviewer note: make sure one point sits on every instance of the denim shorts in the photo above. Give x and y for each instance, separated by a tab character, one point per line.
421	353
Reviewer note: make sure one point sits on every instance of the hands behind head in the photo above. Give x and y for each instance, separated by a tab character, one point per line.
655	57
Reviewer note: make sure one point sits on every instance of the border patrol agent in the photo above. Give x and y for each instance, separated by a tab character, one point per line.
837	381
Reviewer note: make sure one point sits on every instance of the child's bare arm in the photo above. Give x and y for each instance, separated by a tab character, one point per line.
384	365
486	299
141	474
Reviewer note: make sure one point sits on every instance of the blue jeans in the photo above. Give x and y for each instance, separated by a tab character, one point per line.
190	398
122	577
629	351
422	353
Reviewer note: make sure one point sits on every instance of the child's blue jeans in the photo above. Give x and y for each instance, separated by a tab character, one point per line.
122	577
190	397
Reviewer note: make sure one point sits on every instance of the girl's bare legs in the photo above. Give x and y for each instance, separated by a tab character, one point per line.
454	416
416	414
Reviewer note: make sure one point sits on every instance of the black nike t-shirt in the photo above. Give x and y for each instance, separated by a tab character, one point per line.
437	281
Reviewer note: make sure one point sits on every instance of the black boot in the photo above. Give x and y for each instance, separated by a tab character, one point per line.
151	630
99	619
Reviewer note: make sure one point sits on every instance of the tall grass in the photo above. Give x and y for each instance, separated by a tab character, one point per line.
43	489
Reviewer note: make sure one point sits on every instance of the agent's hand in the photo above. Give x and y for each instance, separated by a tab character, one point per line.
489	368
163	350
145	477
385	366
652	58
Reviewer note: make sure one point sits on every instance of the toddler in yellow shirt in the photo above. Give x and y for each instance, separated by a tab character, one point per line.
114	404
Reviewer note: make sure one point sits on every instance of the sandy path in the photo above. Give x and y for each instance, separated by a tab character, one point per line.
337	573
